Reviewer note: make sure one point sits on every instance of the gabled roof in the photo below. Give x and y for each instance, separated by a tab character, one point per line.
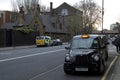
65	5
47	21
28	18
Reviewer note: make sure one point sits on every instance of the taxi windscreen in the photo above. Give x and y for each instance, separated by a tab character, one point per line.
80	43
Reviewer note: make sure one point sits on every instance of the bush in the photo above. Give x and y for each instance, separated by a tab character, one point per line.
25	30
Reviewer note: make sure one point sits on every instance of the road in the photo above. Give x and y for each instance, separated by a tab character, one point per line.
43	63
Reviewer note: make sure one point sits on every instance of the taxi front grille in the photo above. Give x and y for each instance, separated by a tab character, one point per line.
82	60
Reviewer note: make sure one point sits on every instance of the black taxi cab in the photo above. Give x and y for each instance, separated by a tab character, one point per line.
85	53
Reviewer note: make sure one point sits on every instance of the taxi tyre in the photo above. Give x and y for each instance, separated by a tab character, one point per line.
68	70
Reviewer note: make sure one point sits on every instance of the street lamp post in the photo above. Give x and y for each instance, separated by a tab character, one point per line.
102	14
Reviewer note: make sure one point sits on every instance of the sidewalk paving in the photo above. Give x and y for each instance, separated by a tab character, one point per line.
116	71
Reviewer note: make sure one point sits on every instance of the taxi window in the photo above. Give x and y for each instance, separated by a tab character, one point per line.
80	43
87	43
95	43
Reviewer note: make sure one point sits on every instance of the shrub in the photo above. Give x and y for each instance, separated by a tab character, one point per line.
25	29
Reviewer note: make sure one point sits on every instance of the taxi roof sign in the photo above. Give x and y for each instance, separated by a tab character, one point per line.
85	36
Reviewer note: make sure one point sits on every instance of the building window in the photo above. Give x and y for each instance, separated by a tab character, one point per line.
64	12
60	26
53	24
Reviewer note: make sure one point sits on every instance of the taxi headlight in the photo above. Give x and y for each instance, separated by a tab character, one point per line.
96	57
67	57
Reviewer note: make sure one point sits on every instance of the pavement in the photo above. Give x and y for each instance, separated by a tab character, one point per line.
115	65
116	70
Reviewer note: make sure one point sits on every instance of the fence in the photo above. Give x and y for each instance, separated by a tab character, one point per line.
16	38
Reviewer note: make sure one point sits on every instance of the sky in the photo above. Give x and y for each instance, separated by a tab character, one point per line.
111	9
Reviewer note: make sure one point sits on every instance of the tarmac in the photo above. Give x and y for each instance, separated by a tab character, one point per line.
17	47
115	72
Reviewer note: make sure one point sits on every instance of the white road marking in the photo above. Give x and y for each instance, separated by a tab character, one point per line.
9	59
37	76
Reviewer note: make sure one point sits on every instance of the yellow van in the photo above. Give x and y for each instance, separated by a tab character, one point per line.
43	41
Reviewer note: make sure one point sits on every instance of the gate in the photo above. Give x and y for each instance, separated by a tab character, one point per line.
9	38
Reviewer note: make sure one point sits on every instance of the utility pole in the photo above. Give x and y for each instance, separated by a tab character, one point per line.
102	14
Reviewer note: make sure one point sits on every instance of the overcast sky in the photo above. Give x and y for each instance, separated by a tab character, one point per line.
111	8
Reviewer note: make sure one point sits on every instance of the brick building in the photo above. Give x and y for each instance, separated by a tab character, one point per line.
5	17
55	23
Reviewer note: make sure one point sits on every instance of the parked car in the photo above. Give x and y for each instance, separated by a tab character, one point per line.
86	53
57	42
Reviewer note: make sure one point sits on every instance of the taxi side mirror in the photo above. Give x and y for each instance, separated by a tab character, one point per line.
67	48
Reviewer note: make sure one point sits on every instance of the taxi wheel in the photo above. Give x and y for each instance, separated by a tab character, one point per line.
68	71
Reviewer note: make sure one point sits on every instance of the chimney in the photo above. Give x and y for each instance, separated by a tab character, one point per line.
21	15
38	8
51	6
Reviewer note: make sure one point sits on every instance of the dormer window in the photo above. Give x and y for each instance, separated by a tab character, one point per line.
64	12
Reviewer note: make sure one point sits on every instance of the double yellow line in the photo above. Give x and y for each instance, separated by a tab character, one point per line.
107	71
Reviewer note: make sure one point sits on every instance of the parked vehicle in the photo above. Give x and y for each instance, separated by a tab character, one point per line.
43	41
57	42
85	53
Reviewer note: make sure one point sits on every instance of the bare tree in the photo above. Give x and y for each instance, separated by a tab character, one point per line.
74	25
14	6
29	5
44	8
91	13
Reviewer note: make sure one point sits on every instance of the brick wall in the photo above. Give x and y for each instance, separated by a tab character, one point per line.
21	39
2	38
16	38
7	16
1	21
